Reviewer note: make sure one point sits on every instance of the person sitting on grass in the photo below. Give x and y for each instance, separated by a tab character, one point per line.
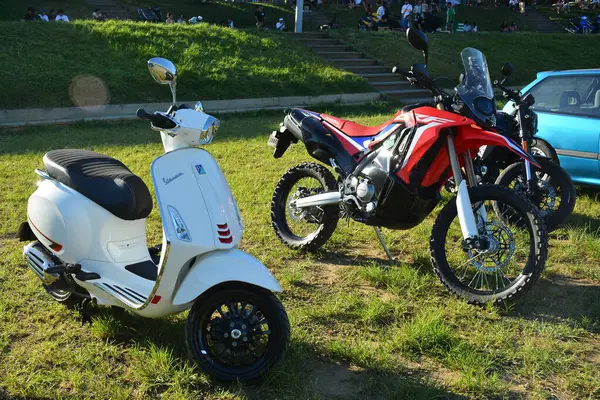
52	14
43	17
467	27
181	19
230	23
30	16
260	17
474	28
512	27
582	5
195	20
280	25
351	4
503	27
98	15
61	17
170	19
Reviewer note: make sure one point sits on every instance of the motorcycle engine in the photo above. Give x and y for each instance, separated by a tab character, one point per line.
360	191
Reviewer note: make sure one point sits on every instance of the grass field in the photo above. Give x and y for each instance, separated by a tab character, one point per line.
529	52
43	64
360	329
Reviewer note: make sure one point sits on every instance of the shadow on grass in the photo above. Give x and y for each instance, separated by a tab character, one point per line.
580	221
562	299
6	396
307	371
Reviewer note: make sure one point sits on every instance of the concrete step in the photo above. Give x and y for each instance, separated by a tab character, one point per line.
391	85
367	69
352	62
310	35
330	47
340	54
318	42
379	76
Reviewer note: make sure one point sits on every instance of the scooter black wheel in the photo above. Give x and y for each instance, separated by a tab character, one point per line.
307	228
237	332
555	193
504	260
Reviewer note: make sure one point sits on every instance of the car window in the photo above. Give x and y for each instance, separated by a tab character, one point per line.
570	94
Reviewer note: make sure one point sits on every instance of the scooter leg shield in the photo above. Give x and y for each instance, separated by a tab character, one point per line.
223	266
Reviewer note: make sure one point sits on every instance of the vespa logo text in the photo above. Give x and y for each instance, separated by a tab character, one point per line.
169	180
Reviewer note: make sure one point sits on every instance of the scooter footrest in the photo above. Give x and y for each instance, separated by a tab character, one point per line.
86	276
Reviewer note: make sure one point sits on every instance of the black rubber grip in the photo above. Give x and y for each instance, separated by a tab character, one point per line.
158	120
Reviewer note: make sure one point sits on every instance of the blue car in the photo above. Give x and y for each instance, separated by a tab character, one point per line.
568	107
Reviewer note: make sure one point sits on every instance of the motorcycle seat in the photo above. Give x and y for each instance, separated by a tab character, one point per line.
353	129
102	179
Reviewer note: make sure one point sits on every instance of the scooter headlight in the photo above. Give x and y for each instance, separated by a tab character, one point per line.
210	130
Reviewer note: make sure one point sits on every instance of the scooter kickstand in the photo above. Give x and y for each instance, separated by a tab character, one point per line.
84	314
382	241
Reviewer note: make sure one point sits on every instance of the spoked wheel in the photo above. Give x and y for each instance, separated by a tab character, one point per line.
554	195
238	333
304	228
506	258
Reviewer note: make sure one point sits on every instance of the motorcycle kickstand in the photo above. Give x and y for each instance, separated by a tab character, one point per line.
385	248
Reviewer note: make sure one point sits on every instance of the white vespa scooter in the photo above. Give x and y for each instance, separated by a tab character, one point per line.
87	220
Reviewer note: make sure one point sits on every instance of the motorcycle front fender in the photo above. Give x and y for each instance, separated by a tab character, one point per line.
218	267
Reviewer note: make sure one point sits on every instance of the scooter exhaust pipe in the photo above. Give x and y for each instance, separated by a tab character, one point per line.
322	199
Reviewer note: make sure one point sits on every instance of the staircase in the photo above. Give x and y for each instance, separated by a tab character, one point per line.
541	23
379	76
112	8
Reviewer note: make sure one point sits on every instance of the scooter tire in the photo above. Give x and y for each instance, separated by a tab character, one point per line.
272	310
64	297
331	213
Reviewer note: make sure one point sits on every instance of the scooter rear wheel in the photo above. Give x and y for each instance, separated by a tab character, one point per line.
237	332
65	297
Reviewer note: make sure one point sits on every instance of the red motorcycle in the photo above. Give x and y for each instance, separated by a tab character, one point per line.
488	244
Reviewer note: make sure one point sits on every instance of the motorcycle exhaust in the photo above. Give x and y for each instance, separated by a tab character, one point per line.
39	261
322	199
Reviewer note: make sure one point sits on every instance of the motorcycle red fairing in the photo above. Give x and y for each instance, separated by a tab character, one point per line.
428	153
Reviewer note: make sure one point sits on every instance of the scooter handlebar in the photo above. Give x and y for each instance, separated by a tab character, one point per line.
158	120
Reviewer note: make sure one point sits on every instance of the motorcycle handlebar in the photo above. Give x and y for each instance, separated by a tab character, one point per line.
158	120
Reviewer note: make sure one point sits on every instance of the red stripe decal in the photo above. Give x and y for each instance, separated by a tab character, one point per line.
226	240
222	226
224	233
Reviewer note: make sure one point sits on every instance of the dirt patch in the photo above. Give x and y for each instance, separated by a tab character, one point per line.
335	380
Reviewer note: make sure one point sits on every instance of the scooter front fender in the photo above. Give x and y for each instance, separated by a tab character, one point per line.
223	266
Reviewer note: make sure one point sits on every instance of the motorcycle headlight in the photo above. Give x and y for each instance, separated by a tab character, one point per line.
209	131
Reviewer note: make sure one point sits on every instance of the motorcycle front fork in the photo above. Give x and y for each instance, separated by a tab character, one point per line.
466	216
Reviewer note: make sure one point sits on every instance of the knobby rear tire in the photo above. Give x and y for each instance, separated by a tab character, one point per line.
279	201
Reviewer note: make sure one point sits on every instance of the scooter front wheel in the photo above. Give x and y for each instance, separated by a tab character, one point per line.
506	257
237	332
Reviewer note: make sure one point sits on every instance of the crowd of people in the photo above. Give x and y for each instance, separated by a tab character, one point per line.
52	16
426	15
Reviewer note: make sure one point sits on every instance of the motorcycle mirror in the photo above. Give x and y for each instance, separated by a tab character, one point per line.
418	40
164	72
507	70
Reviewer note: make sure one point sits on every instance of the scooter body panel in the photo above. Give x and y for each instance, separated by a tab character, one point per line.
219	267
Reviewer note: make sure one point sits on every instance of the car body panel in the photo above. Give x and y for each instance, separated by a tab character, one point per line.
572	125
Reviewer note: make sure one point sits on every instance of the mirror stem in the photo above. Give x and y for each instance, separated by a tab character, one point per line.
173	90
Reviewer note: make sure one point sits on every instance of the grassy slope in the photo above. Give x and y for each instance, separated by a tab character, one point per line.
40	61
529	52
563	18
359	328
218	11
